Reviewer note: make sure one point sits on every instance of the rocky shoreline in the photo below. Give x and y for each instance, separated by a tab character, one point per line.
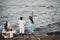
48	36
54	33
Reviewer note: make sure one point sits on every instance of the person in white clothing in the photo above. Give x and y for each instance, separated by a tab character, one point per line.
22	24
11	32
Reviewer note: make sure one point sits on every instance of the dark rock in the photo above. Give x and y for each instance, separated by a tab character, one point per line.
37	29
54	33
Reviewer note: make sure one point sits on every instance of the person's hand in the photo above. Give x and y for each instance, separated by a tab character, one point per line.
32	13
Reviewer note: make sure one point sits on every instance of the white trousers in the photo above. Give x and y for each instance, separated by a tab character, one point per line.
21	30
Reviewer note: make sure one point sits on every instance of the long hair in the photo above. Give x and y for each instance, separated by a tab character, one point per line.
30	17
5	25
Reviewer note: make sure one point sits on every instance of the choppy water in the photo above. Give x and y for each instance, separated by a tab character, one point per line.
45	12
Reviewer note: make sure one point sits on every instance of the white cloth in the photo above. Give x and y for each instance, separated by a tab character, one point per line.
3	31
21	26
9	27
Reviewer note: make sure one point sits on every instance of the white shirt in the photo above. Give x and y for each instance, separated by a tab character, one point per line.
21	23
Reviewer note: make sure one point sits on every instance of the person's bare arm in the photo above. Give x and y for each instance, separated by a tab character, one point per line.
32	14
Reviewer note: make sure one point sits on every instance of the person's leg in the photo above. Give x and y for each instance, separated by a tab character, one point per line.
23	30
20	31
32	29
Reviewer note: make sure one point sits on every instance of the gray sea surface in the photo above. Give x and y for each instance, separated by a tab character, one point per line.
45	12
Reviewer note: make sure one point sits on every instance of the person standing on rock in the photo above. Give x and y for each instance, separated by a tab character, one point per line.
31	27
22	24
30	24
